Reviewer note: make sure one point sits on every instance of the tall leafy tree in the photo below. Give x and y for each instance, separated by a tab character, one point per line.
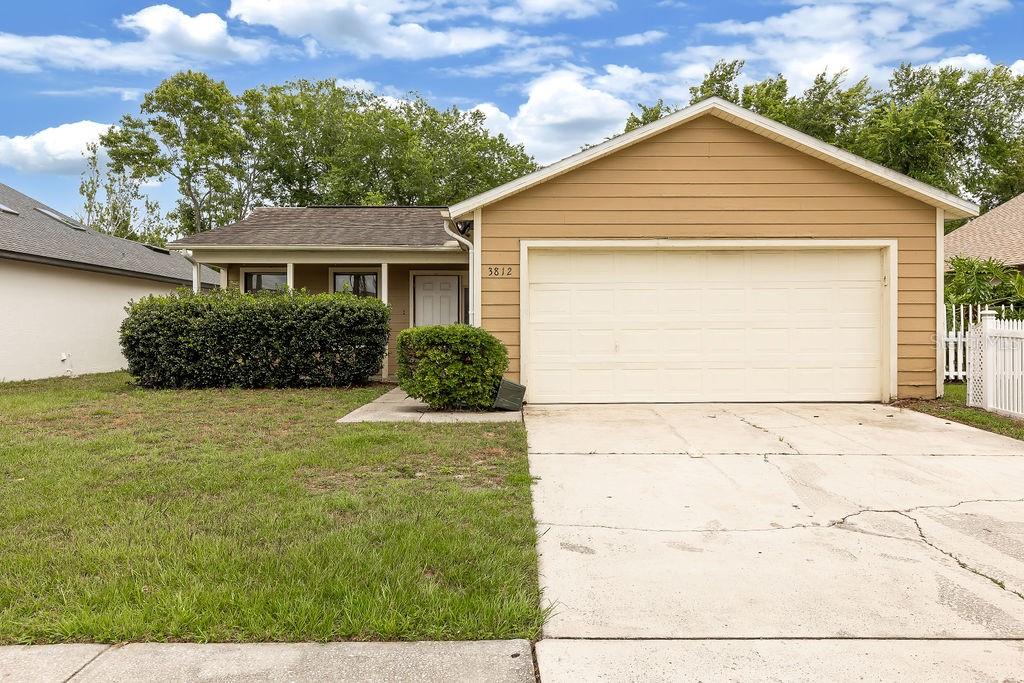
721	81
188	129
113	203
647	114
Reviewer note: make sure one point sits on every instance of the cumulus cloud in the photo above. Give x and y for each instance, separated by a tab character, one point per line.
867	37
52	150
533	11
637	39
366	29
562	113
167	39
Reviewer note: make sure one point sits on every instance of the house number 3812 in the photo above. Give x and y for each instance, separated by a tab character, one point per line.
499	271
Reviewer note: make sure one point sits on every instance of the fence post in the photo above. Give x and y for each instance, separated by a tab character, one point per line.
988	321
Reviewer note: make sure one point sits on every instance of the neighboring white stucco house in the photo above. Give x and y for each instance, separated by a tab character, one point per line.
63	289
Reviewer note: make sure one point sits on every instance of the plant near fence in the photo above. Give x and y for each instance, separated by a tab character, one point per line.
973	285
229	339
451	366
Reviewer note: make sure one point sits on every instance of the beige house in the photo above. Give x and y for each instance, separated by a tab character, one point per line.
713	255
63	289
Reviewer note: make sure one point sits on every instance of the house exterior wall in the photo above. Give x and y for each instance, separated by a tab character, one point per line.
315	277
708	178
46	311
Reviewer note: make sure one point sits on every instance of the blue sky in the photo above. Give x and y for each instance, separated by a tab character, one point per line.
552	74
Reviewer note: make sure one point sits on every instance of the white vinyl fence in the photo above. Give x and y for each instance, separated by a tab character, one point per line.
960	318
995	377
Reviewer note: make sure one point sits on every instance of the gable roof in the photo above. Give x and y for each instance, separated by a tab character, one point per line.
33	231
954	206
998	234
397	227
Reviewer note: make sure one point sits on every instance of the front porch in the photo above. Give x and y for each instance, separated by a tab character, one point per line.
431	289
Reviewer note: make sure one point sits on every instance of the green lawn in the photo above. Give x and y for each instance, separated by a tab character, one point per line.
234	515
953	406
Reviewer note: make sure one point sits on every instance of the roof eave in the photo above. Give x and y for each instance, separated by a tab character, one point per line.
178	246
954	206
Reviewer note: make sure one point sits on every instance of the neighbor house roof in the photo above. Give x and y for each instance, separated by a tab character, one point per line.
998	234
418	227
954	206
33	231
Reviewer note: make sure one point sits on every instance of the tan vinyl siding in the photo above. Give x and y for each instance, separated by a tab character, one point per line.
711	179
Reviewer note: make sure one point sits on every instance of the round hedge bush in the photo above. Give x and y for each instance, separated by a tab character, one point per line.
269	339
451	366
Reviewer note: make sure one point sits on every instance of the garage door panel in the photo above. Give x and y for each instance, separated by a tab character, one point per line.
653	326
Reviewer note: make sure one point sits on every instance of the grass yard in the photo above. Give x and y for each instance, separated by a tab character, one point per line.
235	515
953	406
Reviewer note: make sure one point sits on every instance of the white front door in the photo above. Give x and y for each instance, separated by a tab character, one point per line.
436	300
675	326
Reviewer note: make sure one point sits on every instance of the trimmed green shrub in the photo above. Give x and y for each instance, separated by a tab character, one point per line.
272	339
451	366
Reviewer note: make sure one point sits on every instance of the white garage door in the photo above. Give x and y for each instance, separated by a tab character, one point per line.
672	326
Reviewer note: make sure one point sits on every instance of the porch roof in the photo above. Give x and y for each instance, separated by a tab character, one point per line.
398	227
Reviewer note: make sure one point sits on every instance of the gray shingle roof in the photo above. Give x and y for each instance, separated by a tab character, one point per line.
34	234
340	226
997	234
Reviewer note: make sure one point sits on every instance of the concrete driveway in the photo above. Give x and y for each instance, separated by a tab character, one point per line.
795	541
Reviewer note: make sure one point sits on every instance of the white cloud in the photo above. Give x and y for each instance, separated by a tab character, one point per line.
627	80
867	37
973	61
52	150
637	39
168	39
365	29
126	94
562	112
532	59
535	11
357	84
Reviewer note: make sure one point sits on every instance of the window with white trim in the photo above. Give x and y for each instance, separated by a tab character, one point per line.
360	284
264	281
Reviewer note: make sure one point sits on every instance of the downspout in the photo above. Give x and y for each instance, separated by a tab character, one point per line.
197	271
454	234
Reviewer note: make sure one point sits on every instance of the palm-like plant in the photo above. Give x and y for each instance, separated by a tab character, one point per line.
977	281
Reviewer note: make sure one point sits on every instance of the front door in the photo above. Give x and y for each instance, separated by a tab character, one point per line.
436	300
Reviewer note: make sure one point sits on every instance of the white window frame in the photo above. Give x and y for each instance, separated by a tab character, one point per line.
270	270
412	291
890	286
352	271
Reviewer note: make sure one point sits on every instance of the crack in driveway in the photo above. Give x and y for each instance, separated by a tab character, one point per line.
840	523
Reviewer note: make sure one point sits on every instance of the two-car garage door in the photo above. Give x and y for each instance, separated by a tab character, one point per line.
646	325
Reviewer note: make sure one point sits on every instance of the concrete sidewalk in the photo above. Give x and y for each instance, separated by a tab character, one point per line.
396	406
508	661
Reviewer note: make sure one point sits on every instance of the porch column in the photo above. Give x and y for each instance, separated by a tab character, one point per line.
290	270
197	282
384	298
223	277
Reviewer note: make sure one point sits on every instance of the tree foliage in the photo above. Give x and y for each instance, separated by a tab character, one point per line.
959	130
977	281
302	143
113	203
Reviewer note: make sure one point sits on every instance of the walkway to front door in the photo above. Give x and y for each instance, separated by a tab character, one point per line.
776	541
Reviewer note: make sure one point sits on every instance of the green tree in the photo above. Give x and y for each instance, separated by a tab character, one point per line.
188	129
648	114
769	98
113	203
721	81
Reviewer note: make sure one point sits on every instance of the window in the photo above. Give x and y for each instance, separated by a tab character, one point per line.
360	284
265	281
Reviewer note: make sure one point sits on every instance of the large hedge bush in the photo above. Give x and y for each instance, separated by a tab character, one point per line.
229	339
451	366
